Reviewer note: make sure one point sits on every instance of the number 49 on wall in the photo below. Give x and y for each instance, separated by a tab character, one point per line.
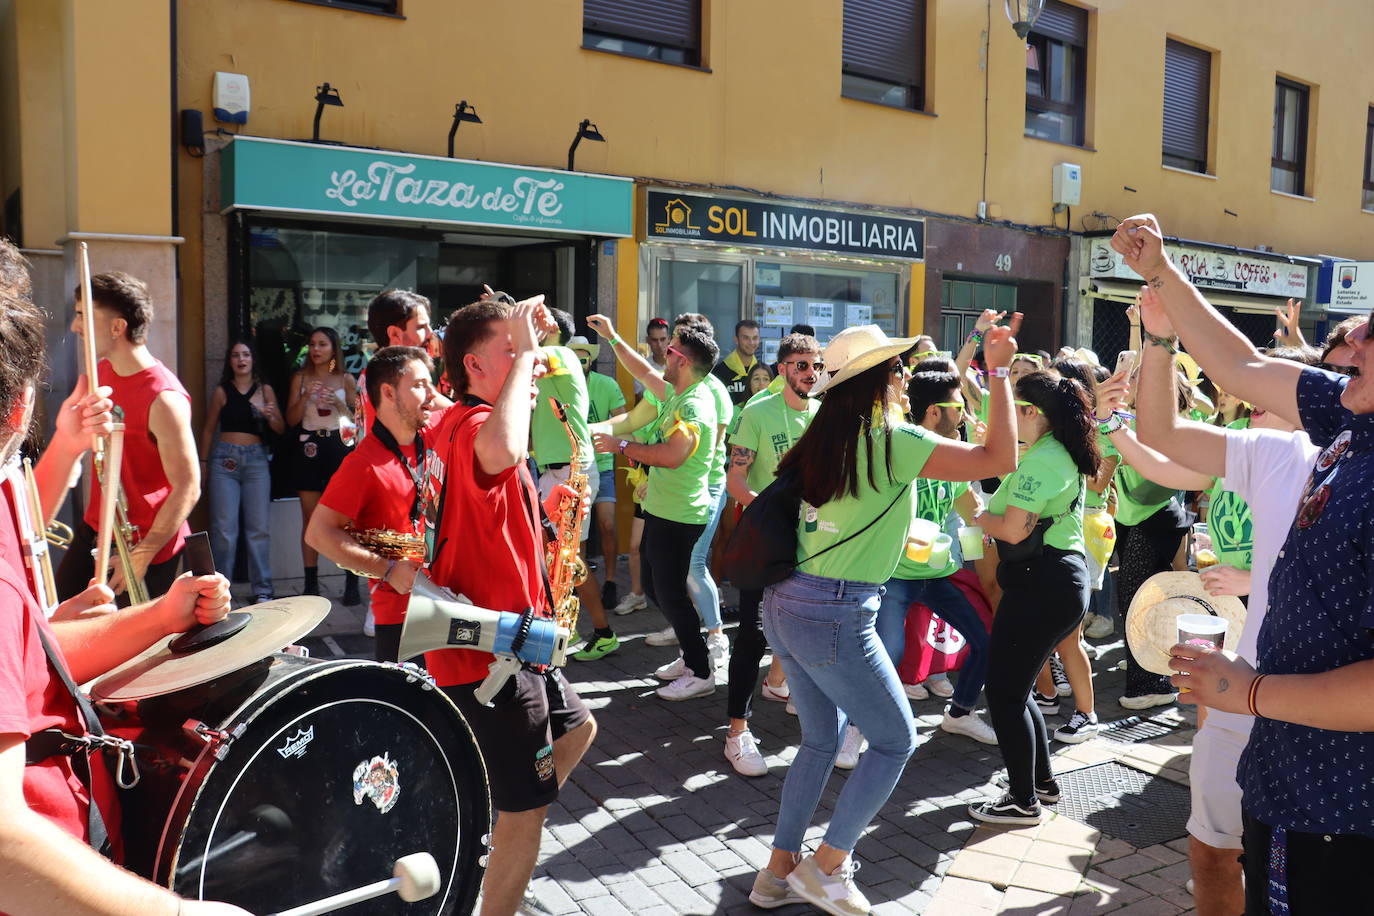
1003	263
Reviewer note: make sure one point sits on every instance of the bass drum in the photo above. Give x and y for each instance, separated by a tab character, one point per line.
294	779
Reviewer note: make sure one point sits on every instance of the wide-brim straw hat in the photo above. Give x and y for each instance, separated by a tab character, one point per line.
580	344
1152	620
856	350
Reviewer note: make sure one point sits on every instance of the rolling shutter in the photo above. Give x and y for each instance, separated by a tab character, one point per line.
1187	97
673	23
885	39
1062	22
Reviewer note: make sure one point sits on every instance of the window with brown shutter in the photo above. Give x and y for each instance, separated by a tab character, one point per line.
666	30
885	52
1057	74
1288	165
1187	100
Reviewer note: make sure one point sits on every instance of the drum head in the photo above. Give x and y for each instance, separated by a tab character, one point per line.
334	776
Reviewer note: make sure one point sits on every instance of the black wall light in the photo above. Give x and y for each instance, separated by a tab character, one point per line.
324	95
585	131
461	112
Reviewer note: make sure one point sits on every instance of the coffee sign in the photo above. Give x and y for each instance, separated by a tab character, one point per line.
283	175
1208	269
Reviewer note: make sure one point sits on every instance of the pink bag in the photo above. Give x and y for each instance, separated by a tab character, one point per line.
933	646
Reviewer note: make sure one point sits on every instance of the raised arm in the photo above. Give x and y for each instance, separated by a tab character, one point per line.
1227	357
643	370
955	460
672	452
504	438
964	358
79	420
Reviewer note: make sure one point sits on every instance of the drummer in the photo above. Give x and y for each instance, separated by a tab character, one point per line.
46	822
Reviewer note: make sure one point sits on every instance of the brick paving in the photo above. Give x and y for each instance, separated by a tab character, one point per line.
656	822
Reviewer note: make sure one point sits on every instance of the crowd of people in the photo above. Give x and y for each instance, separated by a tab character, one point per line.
1026	500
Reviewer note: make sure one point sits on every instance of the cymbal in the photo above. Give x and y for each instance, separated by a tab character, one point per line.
159	670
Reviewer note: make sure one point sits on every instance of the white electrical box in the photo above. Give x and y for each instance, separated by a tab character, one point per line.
231	98
1067	185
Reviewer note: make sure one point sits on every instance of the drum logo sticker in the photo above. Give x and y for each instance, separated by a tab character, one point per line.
295	746
379	780
543	762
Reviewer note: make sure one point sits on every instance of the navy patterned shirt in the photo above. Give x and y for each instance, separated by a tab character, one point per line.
1321	615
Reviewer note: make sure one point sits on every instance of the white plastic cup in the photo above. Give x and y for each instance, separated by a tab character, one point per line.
939	551
1202	629
971	542
920	538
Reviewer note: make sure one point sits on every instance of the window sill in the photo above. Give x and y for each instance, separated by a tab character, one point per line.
1292	196
648	60
1367	210
915	111
1179	171
1086	149
351	9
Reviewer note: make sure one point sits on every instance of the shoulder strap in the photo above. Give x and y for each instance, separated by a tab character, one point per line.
876	519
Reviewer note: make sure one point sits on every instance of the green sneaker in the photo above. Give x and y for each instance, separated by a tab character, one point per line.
598	648
576	639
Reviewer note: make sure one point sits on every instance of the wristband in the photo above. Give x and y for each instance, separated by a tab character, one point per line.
1168	343
1001	372
623	443
975	336
1254	694
615	340
1111	424
390	565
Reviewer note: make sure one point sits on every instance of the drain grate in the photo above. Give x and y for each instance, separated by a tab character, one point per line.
1130	805
1138	728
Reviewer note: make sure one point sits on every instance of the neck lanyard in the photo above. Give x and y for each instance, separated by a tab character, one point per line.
787	420
417	473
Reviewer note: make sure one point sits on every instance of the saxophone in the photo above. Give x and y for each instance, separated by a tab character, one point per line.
388	544
566	568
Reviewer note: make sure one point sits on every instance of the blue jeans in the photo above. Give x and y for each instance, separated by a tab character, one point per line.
944	598
822	630
240	480
705	594
1103	601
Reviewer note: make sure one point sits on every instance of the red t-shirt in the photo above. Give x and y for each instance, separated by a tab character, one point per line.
146	487
489	546
372	490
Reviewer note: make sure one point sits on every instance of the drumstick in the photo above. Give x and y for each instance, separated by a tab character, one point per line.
416	877
83	266
109	497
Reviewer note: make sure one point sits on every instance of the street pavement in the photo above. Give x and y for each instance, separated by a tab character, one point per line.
656	822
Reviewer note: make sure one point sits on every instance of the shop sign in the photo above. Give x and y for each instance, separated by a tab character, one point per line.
674	216
1346	286
1211	270
282	175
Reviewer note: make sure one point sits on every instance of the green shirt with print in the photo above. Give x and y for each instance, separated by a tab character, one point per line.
604	398
934	502
682	494
768	427
871	556
1047	483
563	380
725	410
1137	497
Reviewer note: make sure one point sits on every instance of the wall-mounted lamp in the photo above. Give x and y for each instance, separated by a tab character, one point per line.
585	131
1023	14
461	112
324	95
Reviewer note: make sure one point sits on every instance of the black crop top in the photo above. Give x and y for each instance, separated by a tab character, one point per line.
238	415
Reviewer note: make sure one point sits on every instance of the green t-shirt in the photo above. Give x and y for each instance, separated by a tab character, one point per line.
646	432
563	381
1228	522
768	427
1096	501
934	502
1137	497
682	494
872	556
725	410
604	398
1047	483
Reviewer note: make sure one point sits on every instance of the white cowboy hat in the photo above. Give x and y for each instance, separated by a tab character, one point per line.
855	350
1152	620
582	345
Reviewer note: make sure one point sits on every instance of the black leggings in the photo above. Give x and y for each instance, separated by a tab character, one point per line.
748	651
77	568
665	553
1043	600
1144	550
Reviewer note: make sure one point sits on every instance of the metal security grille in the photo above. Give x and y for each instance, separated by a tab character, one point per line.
1111	330
1140	809
1137	728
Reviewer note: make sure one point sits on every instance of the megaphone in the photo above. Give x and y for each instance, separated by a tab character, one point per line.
436	618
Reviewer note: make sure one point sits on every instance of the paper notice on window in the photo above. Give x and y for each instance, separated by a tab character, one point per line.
820	314
856	315
777	312
770	350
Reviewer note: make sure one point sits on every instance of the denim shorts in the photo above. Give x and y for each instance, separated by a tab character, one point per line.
607	492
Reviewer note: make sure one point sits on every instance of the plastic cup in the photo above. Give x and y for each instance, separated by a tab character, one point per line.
1202	630
920	538
971	542
939	551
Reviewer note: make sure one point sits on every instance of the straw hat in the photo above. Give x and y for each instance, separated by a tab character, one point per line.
584	348
1152	620
855	350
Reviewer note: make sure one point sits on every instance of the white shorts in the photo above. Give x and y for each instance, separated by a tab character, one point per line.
1215	818
553	477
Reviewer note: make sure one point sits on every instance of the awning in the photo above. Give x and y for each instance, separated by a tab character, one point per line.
1125	291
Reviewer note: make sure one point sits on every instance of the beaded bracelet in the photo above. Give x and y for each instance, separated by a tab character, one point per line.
975	337
1254	694
1168	343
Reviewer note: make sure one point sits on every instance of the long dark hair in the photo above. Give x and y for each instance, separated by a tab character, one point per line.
827	455
336	359
227	376
1065	404
1077	369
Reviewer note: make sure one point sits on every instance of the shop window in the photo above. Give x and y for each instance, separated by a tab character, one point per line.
1187	99
666	30
829	298
1056	74
1367	201
714	289
385	7
1288	166
885	52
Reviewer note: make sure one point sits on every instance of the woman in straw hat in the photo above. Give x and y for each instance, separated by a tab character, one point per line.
854	467
1037	518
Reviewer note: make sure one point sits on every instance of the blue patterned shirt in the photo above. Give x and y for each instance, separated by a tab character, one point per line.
1321	612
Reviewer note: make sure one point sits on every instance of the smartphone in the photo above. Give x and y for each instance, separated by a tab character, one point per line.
1125	360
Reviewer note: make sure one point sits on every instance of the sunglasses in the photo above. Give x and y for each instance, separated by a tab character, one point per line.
958	404
802	365
924	354
899	369
676	352
1033	357
1027	404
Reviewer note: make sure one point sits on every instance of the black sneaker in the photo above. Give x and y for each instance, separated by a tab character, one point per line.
1080	727
1048	705
1006	811
1046	792
1061	680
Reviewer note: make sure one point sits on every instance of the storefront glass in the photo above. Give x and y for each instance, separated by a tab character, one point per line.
714	289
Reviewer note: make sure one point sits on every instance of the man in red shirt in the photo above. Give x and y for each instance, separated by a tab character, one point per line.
381	485
489	547
160	476
45	865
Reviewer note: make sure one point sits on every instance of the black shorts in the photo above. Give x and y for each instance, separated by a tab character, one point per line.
317	454
1321	871
516	734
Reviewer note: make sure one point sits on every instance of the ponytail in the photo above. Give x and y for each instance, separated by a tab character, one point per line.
1068	410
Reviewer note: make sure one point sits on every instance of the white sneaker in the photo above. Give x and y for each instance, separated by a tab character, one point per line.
969	725
1099	627
631	603
718	647
671	671
939	685
1148	700
854	745
369	624
916	691
1080	727
835	894
782	694
771	892
687	687
664	637
1059	676
743	753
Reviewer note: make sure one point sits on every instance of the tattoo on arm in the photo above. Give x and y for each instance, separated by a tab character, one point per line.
1156	282
1223	685
741	457
1031	520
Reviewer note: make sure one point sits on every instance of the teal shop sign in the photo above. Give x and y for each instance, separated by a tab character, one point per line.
281	175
